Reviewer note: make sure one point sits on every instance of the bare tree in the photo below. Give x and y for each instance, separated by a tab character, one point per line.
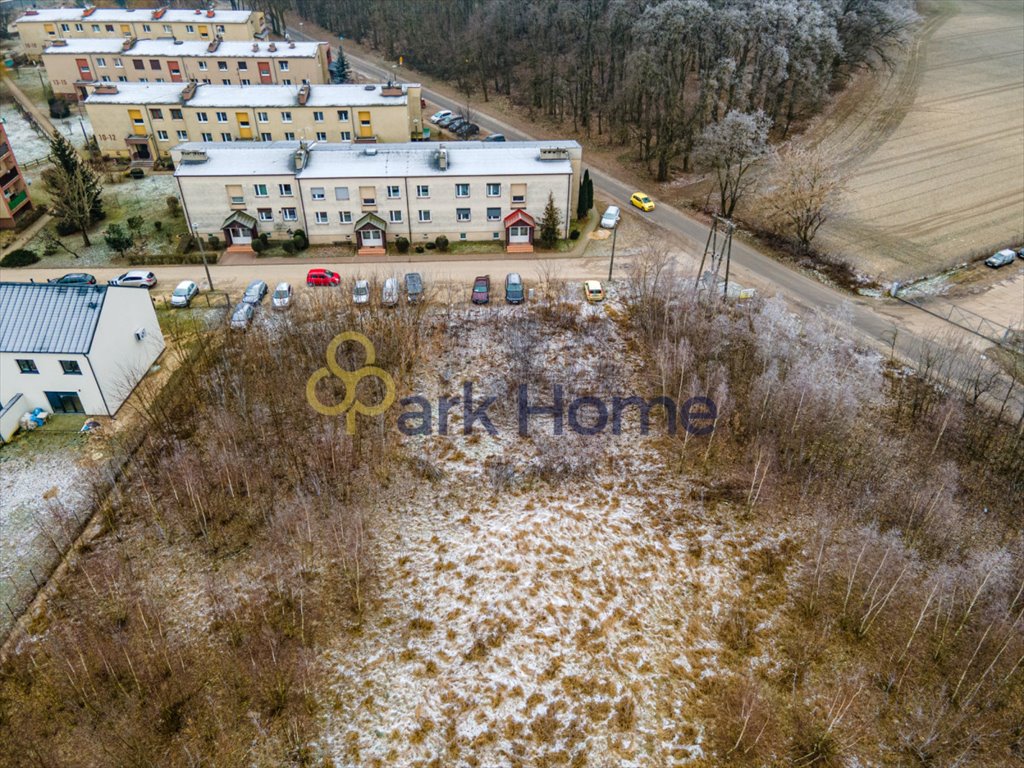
731	148
801	193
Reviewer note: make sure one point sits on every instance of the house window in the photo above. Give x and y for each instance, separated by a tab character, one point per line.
394	192
162	135
80	28
176	114
321	135
422	190
96	28
220	28
143	79
494	190
226	81
206	81
222	117
343	115
202	66
283	65
27	366
222	66
341	193
289	135
266	137
154	64
261	190
190	29
462	214
242	66
462	190
225	137
156	114
118	64
318	117
345	217
286	81
317	193
245	81
321	217
122	79
145	28
264	214
424	216
462	235
495	235
201	117
65	28
100	61
286	117
284	190
494	214
105	78
288	214
368	195
182	135
167	28
138	63
518	194
395	217
346	135
262	117
204	136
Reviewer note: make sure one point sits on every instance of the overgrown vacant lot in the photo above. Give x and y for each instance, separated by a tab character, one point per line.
936	150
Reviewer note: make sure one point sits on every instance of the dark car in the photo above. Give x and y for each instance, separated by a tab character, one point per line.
495	137
482	289
444	122
468	129
413	287
74	278
455	125
255	292
514	293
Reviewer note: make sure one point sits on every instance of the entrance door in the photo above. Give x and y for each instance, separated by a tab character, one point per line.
372	238
240	236
519	234
142	152
64	402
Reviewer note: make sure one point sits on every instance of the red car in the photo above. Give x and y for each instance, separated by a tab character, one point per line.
482	289
322	277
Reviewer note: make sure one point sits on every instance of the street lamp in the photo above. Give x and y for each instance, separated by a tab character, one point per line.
209	280
611	264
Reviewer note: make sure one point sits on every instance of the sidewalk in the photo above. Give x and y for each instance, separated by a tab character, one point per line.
26	236
35	114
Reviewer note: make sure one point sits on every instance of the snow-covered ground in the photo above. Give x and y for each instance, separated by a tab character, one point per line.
29	143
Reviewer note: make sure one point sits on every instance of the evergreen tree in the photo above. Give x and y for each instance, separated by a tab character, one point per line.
590	192
587	194
339	68
74	187
550	223
581	204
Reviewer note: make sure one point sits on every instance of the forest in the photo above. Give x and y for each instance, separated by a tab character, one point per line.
643	73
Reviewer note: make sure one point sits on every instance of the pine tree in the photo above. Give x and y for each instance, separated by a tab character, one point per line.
339	68
581	204
590	192
74	188
586	194
550	223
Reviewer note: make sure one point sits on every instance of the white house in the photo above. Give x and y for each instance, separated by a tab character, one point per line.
74	349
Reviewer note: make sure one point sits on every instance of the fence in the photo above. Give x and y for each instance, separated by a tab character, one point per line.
208	300
1001	335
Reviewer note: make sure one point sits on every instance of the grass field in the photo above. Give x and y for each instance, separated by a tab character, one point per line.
935	150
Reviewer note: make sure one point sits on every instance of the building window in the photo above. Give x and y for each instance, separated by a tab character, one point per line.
321	217
80	28
161	136
204	136
266	137
105	79
27	366
261	190
202	66
118	64
71	367
176	114
122	79
138	63
395	217
143	79
225	137
343	115
368	195
145	28
289	135
167	29
222	117
242	66
206	81
394	192
286	81
182	135
283	65
494	214
462	214
220	28
226	81
96	28
65	28
222	66
156	114
462	190
422	190
424	216
345	217
264	214
346	135
245	81
201	117
288	214
190	29
286	117
317	193
494	190
262	117
284	190
341	193
100	61
321	135
318	117
518	194
154	64
495	235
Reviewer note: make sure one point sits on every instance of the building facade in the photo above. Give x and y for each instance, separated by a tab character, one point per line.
16	200
39	28
367	196
143	121
75	349
74	65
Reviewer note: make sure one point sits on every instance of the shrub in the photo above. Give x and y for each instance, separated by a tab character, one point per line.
214	241
402	244
574	235
258	245
431	246
65	228
173	205
300	240
264	238
441	242
289	247
419	249
158	225
19	258
59	108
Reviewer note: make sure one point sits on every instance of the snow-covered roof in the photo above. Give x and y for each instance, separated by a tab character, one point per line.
127	16
348	161
168	46
209	95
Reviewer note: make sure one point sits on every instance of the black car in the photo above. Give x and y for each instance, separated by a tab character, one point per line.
468	129
455	125
413	287
444	122
74	278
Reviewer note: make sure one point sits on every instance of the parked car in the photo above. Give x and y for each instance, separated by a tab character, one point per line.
322	277
361	292
74	278
468	129
438	115
611	217
255	292
413	287
184	293
481	289
135	277
514	292
642	201
1021	253
454	125
1000	258
593	291
282	298
389	294
444	122
495	137
241	317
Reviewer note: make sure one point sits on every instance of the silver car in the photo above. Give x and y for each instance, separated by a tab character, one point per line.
184	293
242	316
389	295
282	298
361	292
139	278
255	292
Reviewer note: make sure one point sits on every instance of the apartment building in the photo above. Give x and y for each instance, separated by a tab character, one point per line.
12	184
367	195
39	28
74	65
144	121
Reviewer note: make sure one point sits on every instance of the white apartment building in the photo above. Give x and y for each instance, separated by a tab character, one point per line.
369	195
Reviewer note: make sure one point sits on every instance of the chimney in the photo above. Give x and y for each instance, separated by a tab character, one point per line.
301	156
89	11
255	47
107	89
442	158
391	89
58	43
159	13
214	44
272	47
291	44
128	44
304	94
189	91
210	14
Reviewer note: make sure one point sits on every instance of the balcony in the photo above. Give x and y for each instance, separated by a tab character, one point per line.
4	149
9	176
15	202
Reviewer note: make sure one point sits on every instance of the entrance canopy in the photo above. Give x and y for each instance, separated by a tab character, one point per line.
519	218
241	218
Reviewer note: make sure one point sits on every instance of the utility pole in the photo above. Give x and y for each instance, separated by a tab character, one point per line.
711	248
611	264
209	280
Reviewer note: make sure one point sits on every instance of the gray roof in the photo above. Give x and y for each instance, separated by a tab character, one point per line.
38	317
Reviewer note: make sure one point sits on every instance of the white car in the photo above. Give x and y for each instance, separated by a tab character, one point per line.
438	115
611	217
389	295
282	296
136	277
1000	258
361	292
242	316
184	293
